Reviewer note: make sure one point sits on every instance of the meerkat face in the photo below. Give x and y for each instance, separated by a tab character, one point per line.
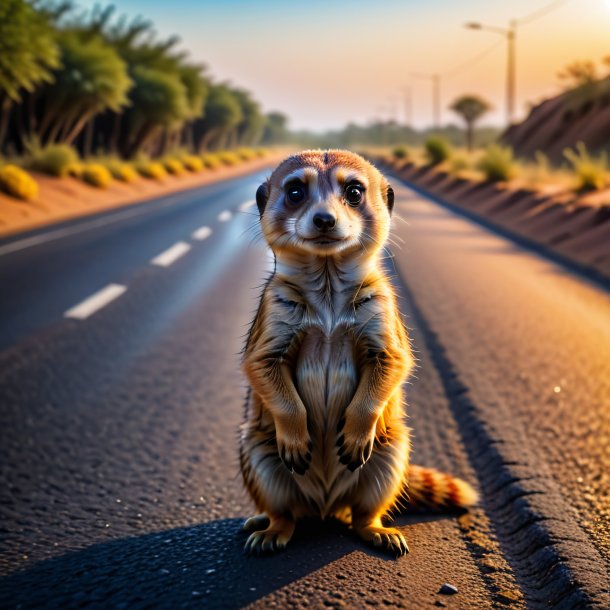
325	203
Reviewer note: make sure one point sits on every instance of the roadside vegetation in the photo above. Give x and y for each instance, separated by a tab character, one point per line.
98	97
580	172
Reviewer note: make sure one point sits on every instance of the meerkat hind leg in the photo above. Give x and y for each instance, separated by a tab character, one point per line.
273	538
389	539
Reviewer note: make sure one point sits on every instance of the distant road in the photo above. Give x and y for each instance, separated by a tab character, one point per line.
120	401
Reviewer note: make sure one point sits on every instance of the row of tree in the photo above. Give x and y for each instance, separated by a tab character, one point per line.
470	108
107	84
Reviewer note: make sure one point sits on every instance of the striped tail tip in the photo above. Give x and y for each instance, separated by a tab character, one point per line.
429	488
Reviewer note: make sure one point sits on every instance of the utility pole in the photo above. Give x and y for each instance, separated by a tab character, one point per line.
510	35
510	73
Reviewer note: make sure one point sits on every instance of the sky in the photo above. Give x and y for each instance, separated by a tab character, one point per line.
326	63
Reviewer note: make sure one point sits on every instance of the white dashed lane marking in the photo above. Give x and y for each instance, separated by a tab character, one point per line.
244	207
202	233
224	216
171	255
95	302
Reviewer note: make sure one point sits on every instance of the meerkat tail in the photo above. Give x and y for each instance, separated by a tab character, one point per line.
429	488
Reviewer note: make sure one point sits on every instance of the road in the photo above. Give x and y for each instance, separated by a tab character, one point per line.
120	399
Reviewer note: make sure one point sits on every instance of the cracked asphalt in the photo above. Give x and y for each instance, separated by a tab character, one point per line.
119	481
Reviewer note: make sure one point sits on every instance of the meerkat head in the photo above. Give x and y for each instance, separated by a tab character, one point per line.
326	203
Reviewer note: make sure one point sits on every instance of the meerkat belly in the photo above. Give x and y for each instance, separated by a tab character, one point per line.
326	380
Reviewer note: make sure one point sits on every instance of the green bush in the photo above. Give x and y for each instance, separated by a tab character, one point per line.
591	173
96	175
498	163
437	150
151	169
54	159
211	161
18	183
400	152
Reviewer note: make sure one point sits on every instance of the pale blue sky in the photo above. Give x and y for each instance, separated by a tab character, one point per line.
326	63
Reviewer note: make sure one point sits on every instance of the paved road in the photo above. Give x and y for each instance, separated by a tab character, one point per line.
120	399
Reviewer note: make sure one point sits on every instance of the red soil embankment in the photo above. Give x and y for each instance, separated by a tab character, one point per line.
575	227
62	199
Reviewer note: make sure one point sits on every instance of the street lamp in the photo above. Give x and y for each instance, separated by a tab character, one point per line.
509	33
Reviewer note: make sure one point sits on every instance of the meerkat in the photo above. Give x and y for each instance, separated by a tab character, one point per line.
326	357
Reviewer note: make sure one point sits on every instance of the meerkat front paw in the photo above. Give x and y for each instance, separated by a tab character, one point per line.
354	446
295	454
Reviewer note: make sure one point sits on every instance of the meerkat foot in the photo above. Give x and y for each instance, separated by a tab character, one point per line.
273	538
386	538
255	523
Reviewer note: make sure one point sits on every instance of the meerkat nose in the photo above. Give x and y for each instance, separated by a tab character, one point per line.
324	221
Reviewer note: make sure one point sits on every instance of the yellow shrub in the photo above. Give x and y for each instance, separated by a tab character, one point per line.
75	169
122	171
152	169
211	161
18	183
192	163
96	175
247	154
173	166
228	158
262	152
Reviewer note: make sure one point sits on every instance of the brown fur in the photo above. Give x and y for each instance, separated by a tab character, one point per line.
326	358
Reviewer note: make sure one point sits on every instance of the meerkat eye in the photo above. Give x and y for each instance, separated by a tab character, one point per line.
296	192
354	193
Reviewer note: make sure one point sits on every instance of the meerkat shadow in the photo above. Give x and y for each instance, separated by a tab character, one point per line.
189	567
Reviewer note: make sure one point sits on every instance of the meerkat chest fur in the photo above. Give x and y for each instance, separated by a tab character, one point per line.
329	302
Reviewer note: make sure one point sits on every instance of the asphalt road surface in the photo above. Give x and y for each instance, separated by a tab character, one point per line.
121	396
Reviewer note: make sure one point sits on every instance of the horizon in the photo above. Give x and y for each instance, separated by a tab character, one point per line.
313	85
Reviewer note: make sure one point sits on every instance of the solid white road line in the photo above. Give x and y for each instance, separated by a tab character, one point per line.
202	233
244	207
169	256
95	302
52	235
224	216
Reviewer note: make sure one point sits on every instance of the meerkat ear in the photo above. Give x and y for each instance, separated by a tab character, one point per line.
390	198
262	194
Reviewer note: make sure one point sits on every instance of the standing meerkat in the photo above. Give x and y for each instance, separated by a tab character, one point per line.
326	358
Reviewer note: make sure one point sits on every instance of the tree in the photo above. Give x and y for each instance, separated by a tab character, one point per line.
222	113
471	108
249	130
577	74
276	128
92	79
28	54
158	100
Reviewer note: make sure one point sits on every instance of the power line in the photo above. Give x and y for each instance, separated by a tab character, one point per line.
545	10
472	61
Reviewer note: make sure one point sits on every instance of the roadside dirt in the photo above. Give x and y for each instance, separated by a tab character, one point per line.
62	199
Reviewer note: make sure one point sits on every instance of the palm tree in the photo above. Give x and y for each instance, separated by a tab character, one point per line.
470	108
